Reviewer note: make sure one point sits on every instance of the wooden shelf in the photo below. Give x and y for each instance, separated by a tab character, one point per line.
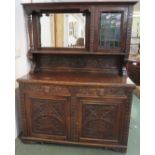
75	52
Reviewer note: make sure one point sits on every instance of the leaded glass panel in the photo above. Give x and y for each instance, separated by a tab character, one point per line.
110	26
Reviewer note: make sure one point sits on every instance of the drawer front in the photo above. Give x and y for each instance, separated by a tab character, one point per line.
78	91
45	89
102	92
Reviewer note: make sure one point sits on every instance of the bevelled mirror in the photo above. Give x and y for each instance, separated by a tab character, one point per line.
63	30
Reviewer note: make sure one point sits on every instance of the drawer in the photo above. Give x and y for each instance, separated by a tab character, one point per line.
45	89
101	92
84	91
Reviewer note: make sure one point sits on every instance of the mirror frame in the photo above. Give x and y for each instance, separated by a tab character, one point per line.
52	33
36	31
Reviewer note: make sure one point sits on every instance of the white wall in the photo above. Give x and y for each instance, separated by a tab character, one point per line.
21	62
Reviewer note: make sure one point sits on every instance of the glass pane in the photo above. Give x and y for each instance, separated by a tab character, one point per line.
63	30
110	30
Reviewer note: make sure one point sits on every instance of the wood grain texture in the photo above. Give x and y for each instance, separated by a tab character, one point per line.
92	10
107	104
38	7
77	78
85	63
77	96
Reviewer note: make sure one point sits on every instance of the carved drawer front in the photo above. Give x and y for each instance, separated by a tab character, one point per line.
100	120
46	89
48	117
100	92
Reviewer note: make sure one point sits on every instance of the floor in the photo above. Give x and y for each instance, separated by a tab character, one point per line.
52	149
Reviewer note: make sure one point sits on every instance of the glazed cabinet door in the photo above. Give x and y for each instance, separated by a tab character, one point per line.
48	116
101	120
110	32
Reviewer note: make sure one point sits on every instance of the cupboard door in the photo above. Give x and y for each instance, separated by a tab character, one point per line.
111	30
48	116
100	120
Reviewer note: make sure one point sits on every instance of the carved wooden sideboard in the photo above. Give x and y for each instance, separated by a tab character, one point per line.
79	95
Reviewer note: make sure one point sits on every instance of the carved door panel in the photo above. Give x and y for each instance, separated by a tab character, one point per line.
48	116
100	120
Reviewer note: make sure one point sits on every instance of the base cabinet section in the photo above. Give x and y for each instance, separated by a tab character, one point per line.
92	118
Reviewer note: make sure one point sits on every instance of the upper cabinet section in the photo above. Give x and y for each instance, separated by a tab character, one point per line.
79	27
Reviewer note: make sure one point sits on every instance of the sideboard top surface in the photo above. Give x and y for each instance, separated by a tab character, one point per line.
77	78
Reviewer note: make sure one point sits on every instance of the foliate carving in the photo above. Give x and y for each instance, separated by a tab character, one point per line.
77	62
115	91
76	91
99	121
99	92
47	89
48	117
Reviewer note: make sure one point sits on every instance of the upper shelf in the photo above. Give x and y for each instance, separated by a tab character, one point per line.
75	52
